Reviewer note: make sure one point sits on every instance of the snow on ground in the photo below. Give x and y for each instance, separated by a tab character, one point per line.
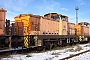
52	55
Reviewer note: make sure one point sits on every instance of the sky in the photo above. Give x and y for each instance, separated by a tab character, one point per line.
42	7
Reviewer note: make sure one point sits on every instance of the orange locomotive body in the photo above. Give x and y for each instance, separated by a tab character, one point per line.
4	38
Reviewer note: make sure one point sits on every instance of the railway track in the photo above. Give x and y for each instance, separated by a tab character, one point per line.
15	51
30	50
20	51
75	55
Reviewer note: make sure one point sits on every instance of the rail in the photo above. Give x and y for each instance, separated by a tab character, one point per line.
74	55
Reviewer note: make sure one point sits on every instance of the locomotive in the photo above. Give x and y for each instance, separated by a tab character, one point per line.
47	31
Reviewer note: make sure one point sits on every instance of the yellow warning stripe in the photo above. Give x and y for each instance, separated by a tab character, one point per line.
26	41
80	38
